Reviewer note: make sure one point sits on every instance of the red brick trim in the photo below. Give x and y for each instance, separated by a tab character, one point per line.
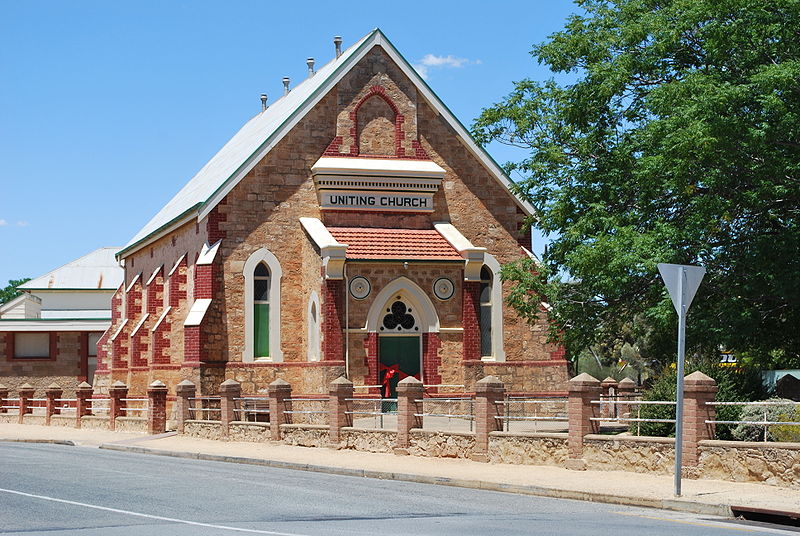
470	311
371	359
332	340
83	353
431	362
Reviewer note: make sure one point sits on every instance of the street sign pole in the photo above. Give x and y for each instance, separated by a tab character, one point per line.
679	390
681	282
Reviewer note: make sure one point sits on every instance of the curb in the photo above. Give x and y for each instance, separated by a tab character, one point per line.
677	505
46	441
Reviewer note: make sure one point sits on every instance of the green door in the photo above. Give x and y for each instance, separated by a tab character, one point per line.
399	358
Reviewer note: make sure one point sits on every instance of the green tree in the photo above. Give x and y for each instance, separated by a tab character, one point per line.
678	140
10	291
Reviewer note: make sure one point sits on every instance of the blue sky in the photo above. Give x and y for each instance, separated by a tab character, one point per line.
108	108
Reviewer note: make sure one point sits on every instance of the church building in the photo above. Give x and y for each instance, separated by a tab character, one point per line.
353	227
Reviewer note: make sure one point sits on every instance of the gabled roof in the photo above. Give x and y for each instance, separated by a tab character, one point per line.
259	135
97	270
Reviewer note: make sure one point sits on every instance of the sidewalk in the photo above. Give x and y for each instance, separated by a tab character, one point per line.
712	497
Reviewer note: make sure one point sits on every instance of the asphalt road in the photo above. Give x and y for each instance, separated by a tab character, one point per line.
58	490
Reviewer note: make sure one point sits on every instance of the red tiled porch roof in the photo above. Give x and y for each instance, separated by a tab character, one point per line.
400	244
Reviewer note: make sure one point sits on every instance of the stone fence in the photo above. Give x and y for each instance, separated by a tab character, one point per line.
329	422
115	412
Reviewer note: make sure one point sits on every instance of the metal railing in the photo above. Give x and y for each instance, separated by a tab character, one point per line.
435	420
765	423
144	406
13	406
251	409
69	406
205	408
381	413
533	410
94	407
309	416
638	419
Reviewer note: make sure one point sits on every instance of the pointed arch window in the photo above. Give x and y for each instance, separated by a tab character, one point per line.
261	310
262	307
486	311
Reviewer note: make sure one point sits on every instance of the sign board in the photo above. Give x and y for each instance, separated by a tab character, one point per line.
376	200
686	289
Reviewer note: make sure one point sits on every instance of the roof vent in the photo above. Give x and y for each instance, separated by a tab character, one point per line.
285	85
263	102
338	42
310	63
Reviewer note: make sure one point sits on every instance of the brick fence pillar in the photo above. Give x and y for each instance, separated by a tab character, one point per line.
582	390
117	393
229	391
280	394
488	392
338	405
83	397
3	397
157	407
52	394
409	390
184	392
609	387
697	390
26	392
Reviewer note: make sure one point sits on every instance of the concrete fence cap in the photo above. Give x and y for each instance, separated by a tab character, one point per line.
54	387
609	381
627	382
697	381
3	386
118	385
583	377
26	387
280	382
409	380
341	380
229	381
185	383
83	386
158	384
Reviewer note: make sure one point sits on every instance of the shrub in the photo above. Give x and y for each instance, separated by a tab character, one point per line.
734	385
785	412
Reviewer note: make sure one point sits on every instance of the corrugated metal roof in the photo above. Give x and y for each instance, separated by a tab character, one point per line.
97	270
395	244
259	135
241	147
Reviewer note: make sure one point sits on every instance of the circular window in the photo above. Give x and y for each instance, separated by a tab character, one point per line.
360	287
443	288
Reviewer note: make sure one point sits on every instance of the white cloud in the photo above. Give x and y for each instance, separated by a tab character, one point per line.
432	61
22	223
3	223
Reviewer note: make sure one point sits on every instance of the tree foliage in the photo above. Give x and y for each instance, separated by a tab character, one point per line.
678	141
10	291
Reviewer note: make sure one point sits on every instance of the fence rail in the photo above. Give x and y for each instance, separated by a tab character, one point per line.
766	423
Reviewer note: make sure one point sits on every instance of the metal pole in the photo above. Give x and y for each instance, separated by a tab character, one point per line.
679	393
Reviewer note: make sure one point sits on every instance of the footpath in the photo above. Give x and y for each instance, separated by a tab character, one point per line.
710	497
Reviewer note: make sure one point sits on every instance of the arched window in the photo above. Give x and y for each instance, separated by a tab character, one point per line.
486	312
261	311
262	307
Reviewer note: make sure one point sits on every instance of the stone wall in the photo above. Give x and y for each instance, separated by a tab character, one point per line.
307	435
62	368
367	440
634	454
528	449
441	445
249	431
131	424
777	464
203	429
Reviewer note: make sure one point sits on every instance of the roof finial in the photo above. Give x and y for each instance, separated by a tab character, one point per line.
338	42
263	102
285	85
310	63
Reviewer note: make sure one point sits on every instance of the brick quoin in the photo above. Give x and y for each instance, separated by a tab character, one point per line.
332	340
161	342
431	362
204	281
471	310
215	217
155	293
177	284
371	347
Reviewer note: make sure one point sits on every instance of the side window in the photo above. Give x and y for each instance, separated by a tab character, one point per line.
32	345
486	312
261	289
